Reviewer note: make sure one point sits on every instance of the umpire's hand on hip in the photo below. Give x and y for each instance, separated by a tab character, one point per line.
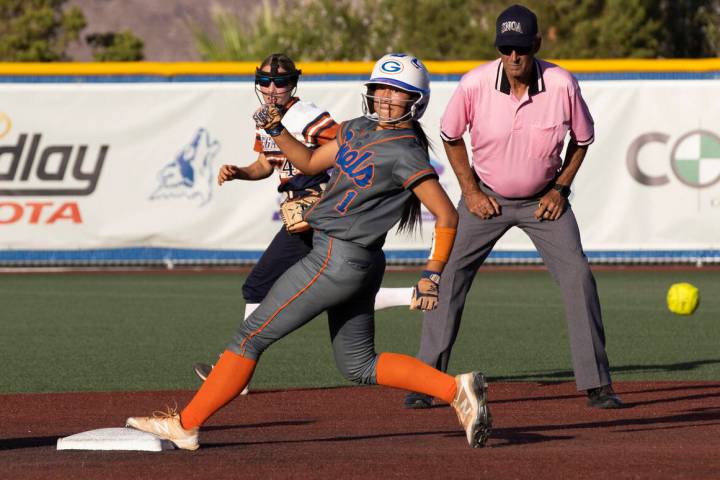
551	206
482	205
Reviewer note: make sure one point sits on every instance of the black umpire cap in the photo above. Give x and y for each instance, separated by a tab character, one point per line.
516	26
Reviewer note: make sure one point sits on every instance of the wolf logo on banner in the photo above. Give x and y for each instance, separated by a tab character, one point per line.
190	175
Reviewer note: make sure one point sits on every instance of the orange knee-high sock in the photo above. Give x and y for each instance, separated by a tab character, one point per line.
403	371
227	379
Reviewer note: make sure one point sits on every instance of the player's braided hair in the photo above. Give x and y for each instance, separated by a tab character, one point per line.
412	216
277	61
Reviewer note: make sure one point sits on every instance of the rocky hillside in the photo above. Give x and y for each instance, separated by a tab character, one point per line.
164	25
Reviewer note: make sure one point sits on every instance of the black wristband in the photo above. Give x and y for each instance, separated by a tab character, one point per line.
276	130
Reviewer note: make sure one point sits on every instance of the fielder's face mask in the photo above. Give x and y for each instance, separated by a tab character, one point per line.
369	98
284	81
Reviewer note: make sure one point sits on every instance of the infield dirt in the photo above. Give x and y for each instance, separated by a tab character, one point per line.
541	431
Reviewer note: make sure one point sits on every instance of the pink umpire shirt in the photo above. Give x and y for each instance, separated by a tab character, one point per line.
516	144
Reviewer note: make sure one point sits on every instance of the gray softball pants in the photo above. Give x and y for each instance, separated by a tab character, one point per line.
558	243
338	276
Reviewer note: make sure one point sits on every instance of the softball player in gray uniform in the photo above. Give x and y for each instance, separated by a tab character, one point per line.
382	173
276	80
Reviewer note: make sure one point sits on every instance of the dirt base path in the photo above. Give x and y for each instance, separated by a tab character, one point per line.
671	430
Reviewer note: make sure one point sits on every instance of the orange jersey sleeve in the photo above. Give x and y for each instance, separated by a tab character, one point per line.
321	130
258	146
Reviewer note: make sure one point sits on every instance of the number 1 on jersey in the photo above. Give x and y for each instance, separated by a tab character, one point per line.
344	204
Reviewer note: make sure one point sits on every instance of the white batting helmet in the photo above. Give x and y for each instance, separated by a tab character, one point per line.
402	71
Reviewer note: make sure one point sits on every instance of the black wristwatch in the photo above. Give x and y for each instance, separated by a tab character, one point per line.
563	190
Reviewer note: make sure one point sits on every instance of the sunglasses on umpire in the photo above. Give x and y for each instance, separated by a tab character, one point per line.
508	49
280	81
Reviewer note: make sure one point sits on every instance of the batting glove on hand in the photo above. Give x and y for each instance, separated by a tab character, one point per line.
425	293
268	117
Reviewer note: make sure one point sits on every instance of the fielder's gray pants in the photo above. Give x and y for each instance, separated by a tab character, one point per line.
338	276
558	243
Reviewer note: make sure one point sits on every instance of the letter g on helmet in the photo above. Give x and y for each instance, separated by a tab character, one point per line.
406	73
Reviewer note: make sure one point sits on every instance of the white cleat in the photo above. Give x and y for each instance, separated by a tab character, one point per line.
470	404
167	426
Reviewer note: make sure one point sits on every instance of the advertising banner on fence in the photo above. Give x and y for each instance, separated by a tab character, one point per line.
92	165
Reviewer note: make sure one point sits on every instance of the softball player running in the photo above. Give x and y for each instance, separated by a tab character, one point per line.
275	83
382	173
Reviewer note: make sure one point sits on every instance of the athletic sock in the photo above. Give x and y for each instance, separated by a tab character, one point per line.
226	380
392	297
249	309
409	373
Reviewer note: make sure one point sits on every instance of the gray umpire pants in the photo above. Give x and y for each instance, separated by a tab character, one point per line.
558	243
338	276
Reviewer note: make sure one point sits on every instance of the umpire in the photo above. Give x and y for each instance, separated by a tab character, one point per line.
519	110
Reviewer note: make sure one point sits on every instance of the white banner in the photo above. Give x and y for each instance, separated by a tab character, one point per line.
91	165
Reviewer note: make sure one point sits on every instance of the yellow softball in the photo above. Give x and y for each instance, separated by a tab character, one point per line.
683	298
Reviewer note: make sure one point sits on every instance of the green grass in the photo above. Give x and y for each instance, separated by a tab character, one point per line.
106	332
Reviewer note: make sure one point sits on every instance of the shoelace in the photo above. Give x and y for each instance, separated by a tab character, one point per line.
168	413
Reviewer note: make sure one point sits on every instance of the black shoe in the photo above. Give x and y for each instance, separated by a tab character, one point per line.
417	400
603	397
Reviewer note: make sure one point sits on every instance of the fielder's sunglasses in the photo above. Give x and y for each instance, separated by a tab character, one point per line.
279	81
507	50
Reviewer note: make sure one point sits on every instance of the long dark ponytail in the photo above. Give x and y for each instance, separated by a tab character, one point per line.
412	216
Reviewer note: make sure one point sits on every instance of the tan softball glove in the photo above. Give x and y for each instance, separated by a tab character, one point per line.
292	213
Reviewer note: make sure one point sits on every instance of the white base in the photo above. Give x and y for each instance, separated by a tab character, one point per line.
114	439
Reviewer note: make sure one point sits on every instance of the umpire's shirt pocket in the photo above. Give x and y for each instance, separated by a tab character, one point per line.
546	142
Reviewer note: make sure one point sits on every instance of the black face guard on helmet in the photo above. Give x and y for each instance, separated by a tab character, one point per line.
368	105
281	80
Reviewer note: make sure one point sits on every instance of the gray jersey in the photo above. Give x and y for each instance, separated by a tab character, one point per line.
374	173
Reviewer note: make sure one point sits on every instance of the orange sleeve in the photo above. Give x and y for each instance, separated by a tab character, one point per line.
258	146
321	130
443	239
328	134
